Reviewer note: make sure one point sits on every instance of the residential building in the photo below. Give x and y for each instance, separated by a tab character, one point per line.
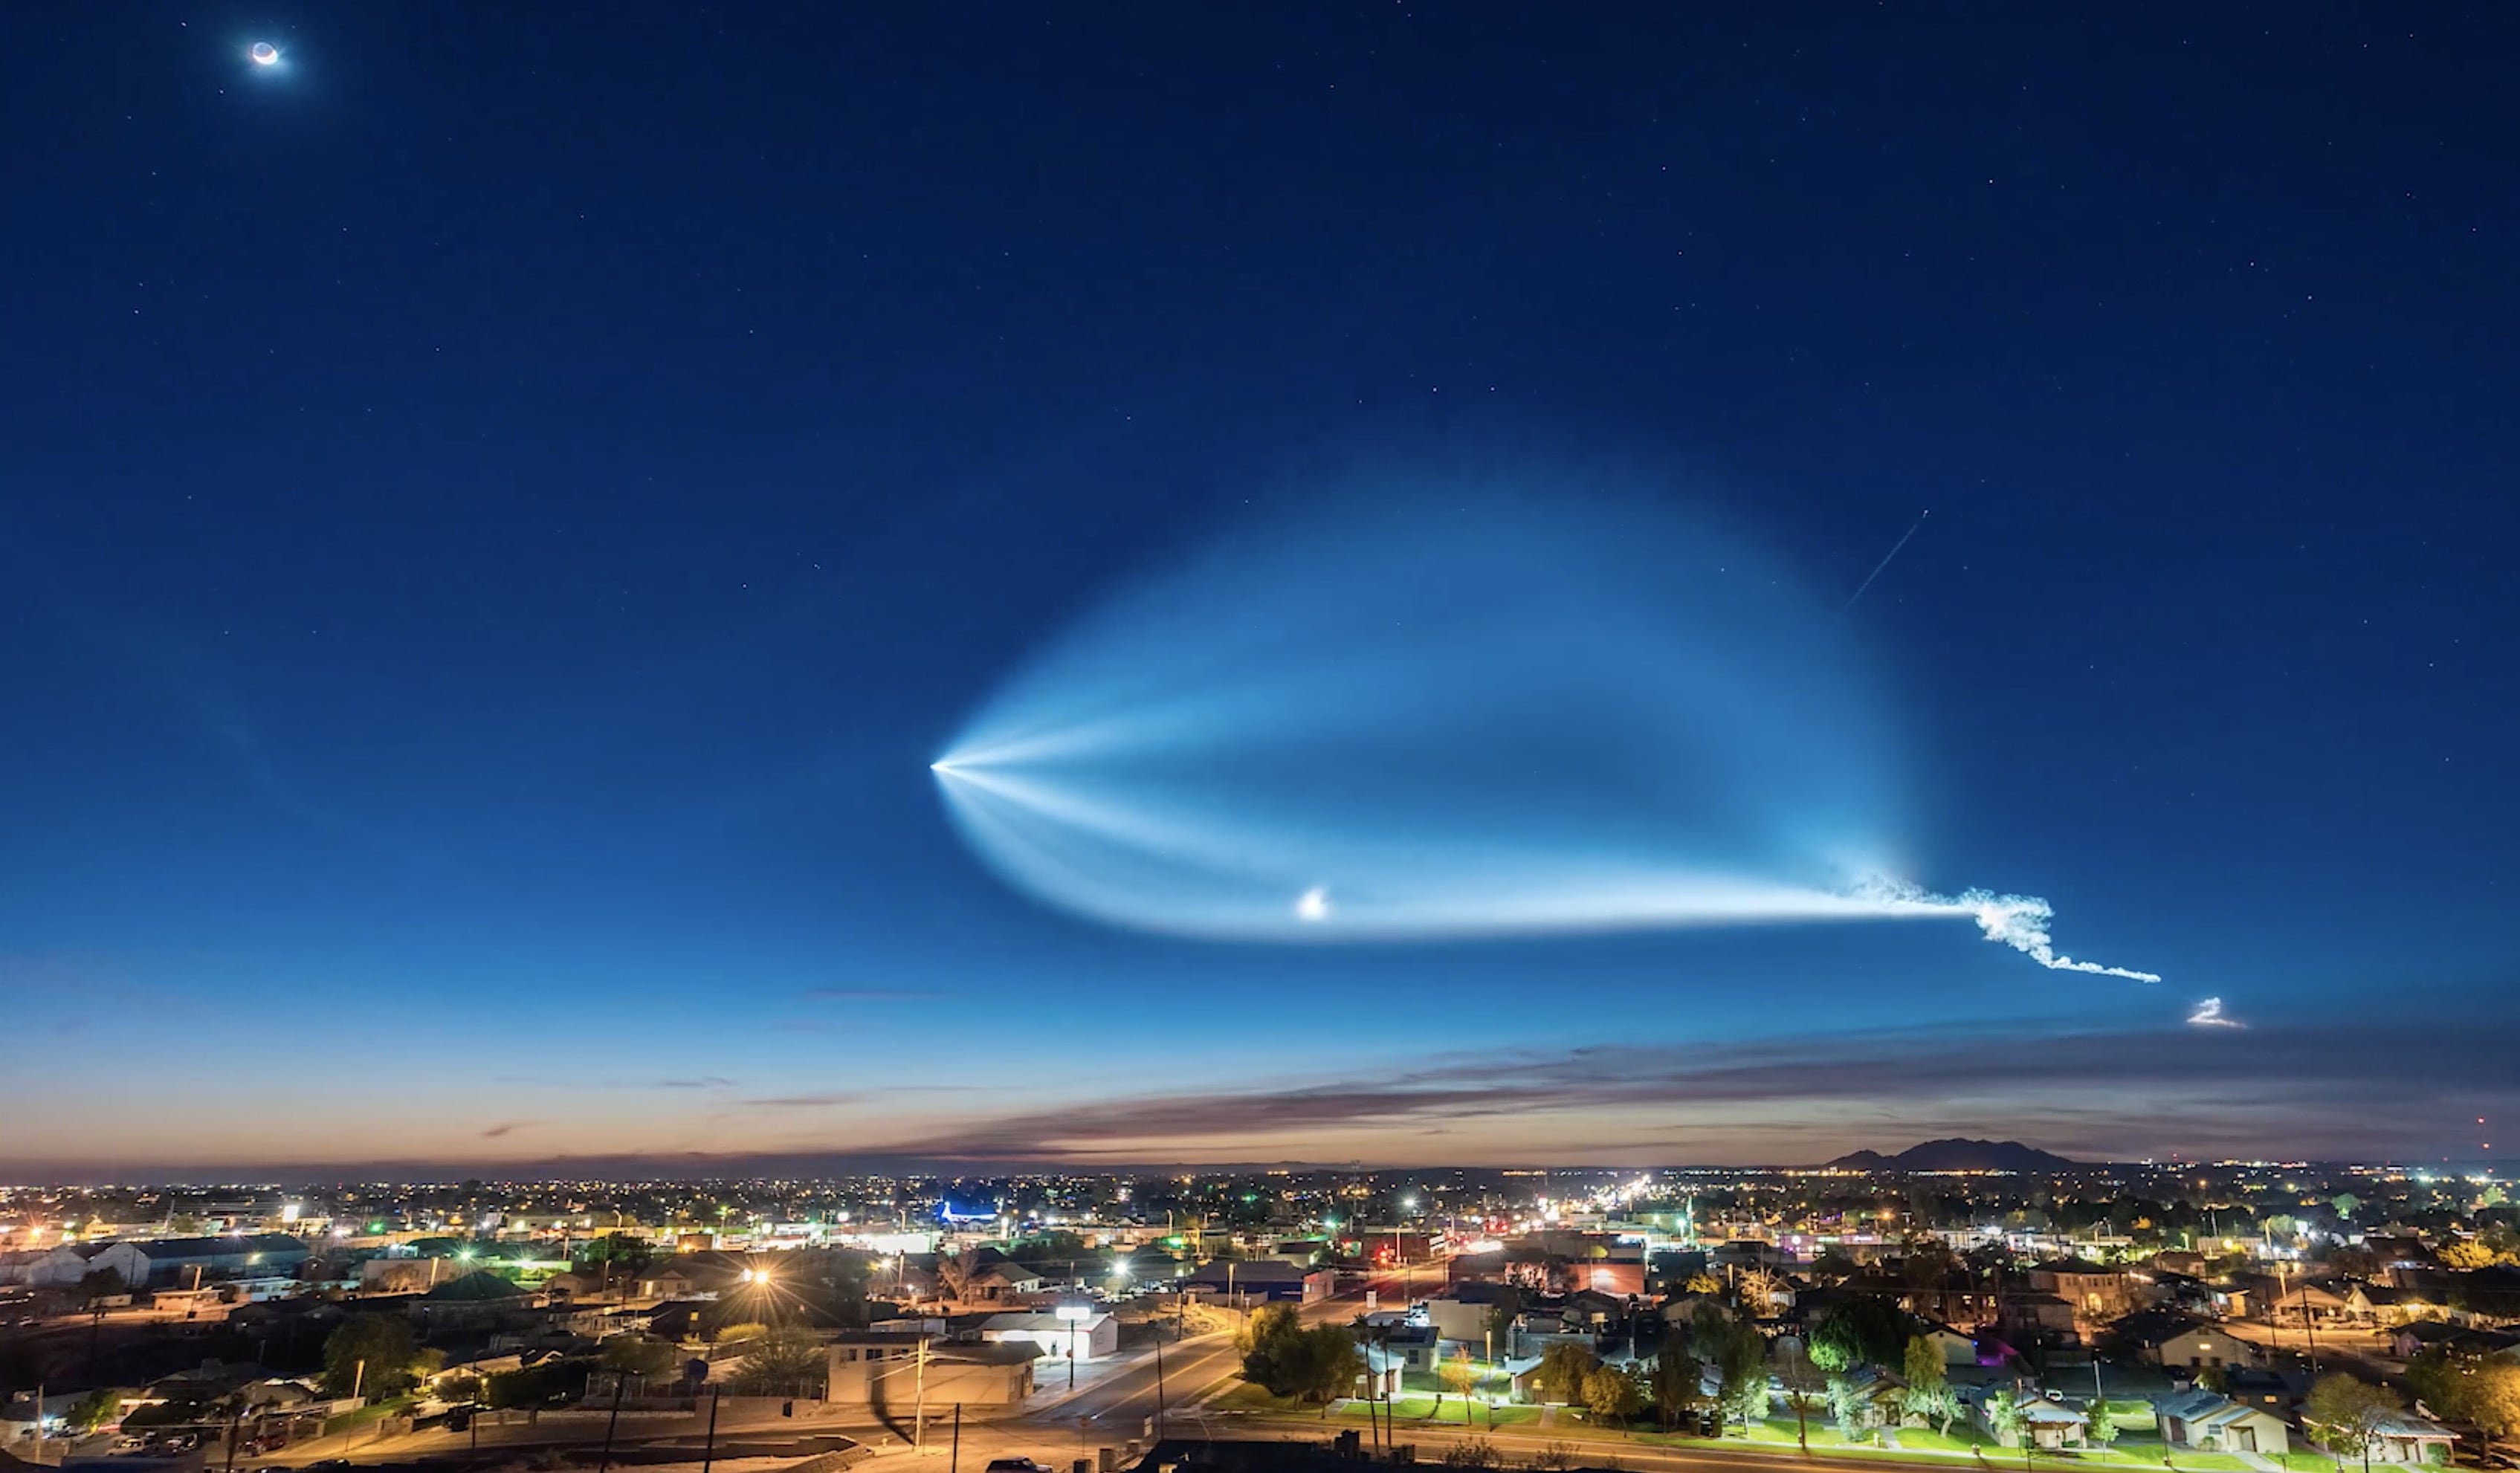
2097	1292
2175	1341
2209	1422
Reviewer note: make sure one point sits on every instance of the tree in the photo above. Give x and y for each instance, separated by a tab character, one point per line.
1677	1385
98	1285
2467	1256
1929	1392
1460	1376
1290	1358
1758	1290
95	1409
1473	1453
785	1361
953	1276
639	1356
2004	1415
1805	1391
1613	1394
1503	1313
383	1345
1563	1368
1743	1368
2493	1399
1860	1332
2346	1415
2103	1428
550	1384
1702	1284
1847	1406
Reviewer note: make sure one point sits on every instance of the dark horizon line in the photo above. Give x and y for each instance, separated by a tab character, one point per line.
24	1176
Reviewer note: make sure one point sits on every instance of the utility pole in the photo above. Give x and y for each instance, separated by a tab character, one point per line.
39	1421
954	1459
2309	1336
919	1402
621	1384
1159	1395
709	1447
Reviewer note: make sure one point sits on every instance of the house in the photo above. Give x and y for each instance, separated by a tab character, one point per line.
1879	1396
1955	1348
1600	1311
1957	1300
2097	1291
2051	1424
891	1370
1090	1337
2036	1313
478	1299
2173	1341
1466	1311
405	1275
2211	1422
2403	1437
1394	1344
2297	1301
1004	1281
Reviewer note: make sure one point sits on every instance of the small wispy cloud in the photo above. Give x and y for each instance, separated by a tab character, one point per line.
809	1101
505	1127
705	1082
867	995
2209	1015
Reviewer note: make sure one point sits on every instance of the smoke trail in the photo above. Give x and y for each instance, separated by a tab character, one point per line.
2209	1015
2019	921
1450	718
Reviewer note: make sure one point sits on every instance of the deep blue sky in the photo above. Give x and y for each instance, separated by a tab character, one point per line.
497	514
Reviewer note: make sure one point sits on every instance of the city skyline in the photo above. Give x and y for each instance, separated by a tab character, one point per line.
498	538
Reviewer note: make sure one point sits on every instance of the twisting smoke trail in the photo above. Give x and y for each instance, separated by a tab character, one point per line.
2209	1015
2019	921
1885	558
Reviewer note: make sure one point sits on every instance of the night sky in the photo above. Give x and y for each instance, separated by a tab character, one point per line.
499	511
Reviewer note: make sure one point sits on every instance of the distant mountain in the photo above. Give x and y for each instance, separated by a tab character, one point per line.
1959	1155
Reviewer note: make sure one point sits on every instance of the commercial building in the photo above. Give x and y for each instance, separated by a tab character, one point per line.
894	1370
1088	1337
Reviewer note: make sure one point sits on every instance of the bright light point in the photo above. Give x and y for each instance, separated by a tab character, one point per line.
264	54
1313	904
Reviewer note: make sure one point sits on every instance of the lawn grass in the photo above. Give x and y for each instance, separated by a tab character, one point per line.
1420	1410
1248	1397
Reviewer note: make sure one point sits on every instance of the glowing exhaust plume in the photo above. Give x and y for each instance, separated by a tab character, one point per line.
1470	720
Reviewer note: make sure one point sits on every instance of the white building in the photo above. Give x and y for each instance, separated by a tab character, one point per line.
1089	1338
